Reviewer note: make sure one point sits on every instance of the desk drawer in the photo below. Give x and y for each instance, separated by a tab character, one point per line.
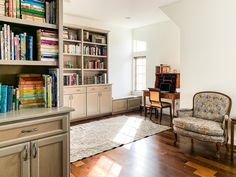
33	129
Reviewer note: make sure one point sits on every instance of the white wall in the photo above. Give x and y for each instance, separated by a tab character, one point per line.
163	46
120	53
208	46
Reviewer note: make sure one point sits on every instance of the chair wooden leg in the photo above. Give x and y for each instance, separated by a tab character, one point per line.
218	146
156	113
191	140
145	111
141	110
160	115
176	138
150	111
171	117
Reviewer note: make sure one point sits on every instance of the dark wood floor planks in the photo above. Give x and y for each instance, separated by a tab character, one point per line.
156	156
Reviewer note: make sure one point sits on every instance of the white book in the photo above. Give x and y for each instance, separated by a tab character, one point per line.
8	42
14	8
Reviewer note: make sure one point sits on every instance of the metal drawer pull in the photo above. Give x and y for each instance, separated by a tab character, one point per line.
35	150
25	153
29	131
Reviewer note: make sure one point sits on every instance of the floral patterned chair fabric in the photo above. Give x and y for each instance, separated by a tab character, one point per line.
207	121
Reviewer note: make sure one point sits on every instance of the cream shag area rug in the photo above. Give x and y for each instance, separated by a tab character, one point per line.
95	137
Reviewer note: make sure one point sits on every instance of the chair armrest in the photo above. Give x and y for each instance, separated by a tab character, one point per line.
185	112
225	127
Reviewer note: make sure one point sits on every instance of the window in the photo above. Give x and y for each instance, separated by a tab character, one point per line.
139	46
139	73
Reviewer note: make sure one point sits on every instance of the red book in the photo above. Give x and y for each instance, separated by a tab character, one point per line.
10	9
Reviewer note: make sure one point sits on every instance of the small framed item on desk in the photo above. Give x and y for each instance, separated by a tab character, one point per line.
233	123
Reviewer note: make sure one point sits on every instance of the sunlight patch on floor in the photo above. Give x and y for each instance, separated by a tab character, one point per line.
105	167
128	131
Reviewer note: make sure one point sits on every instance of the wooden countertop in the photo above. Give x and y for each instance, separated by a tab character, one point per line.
21	115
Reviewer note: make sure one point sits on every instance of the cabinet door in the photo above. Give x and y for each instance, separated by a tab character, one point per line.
105	102
15	161
67	100
78	102
92	103
49	157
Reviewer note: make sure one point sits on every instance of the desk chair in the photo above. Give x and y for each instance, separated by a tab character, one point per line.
144	105
156	103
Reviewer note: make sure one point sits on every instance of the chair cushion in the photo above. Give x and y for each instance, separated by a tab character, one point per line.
214	139
211	106
158	104
201	126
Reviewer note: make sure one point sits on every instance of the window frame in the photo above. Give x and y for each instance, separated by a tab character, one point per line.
135	71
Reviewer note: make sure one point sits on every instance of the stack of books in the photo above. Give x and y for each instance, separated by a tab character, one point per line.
15	47
33	10
7	98
47	44
31	90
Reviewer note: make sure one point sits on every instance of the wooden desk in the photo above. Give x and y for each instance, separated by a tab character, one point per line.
233	123
171	96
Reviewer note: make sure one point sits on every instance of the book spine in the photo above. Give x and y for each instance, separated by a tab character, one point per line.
8	42
29	48
10	8
17	8
7	8
9	98
12	46
4	99
14	8
2	44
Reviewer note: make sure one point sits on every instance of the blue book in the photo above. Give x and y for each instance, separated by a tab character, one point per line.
22	46
9	98
4	98
29	47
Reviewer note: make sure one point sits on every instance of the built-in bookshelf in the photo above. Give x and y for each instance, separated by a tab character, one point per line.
85	55
31	45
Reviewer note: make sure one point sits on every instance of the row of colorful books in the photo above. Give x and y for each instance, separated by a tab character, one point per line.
72	79
15	46
8	98
72	48
20	46
36	90
47	44
34	10
95	64
91	50
100	78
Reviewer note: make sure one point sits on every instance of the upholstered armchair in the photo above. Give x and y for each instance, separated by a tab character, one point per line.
207	121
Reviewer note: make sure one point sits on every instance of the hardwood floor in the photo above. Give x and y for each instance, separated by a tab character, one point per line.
156	156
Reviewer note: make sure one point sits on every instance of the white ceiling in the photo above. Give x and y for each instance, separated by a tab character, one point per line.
142	12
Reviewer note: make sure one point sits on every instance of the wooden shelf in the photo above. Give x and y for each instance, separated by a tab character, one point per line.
95	69
27	22
72	69
93	43
28	63
95	56
71	54
71	40
72	86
